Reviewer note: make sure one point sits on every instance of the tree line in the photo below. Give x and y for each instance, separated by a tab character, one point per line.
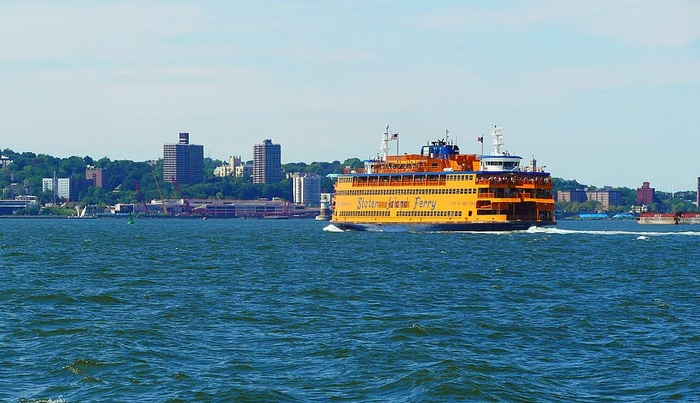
133	182
664	202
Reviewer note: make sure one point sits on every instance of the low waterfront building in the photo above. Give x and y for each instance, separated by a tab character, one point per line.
8	207
219	208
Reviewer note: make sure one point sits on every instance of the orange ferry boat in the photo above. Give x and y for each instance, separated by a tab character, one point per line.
440	189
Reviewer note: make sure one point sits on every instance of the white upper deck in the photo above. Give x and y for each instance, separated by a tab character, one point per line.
497	160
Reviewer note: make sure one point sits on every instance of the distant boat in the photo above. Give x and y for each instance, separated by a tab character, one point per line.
81	213
669	218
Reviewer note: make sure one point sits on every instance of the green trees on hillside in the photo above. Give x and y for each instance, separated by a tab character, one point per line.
134	182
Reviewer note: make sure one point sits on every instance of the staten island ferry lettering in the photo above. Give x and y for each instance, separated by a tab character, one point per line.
396	204
424	204
440	189
367	203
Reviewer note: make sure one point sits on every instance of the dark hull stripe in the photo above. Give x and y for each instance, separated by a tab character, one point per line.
506	226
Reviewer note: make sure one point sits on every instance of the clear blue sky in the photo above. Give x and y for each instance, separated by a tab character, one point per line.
604	92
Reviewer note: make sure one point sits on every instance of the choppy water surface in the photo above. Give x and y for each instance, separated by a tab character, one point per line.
281	310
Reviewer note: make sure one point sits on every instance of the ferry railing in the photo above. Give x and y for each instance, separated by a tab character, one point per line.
517	180
413	180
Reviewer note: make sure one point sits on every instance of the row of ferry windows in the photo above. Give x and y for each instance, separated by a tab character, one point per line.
400	213
420	177
398	192
364	213
420	213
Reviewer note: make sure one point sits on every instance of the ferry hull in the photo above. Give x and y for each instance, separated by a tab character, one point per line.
442	227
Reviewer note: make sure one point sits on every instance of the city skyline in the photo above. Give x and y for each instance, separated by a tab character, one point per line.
605	93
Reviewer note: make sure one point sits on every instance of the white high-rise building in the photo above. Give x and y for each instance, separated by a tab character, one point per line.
307	189
62	187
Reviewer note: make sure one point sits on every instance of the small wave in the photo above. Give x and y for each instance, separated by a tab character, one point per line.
104	299
62	332
640	234
332	228
413	330
83	368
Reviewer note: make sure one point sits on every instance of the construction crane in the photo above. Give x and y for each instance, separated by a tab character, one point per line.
140	197
188	208
165	209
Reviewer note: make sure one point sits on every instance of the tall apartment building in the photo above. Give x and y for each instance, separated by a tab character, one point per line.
645	194
59	186
306	188
607	197
67	189
183	162
572	196
98	176
267	162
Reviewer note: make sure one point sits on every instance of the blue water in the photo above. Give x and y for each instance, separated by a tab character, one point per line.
281	310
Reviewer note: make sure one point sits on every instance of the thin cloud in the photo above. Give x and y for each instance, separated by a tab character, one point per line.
111	31
646	23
